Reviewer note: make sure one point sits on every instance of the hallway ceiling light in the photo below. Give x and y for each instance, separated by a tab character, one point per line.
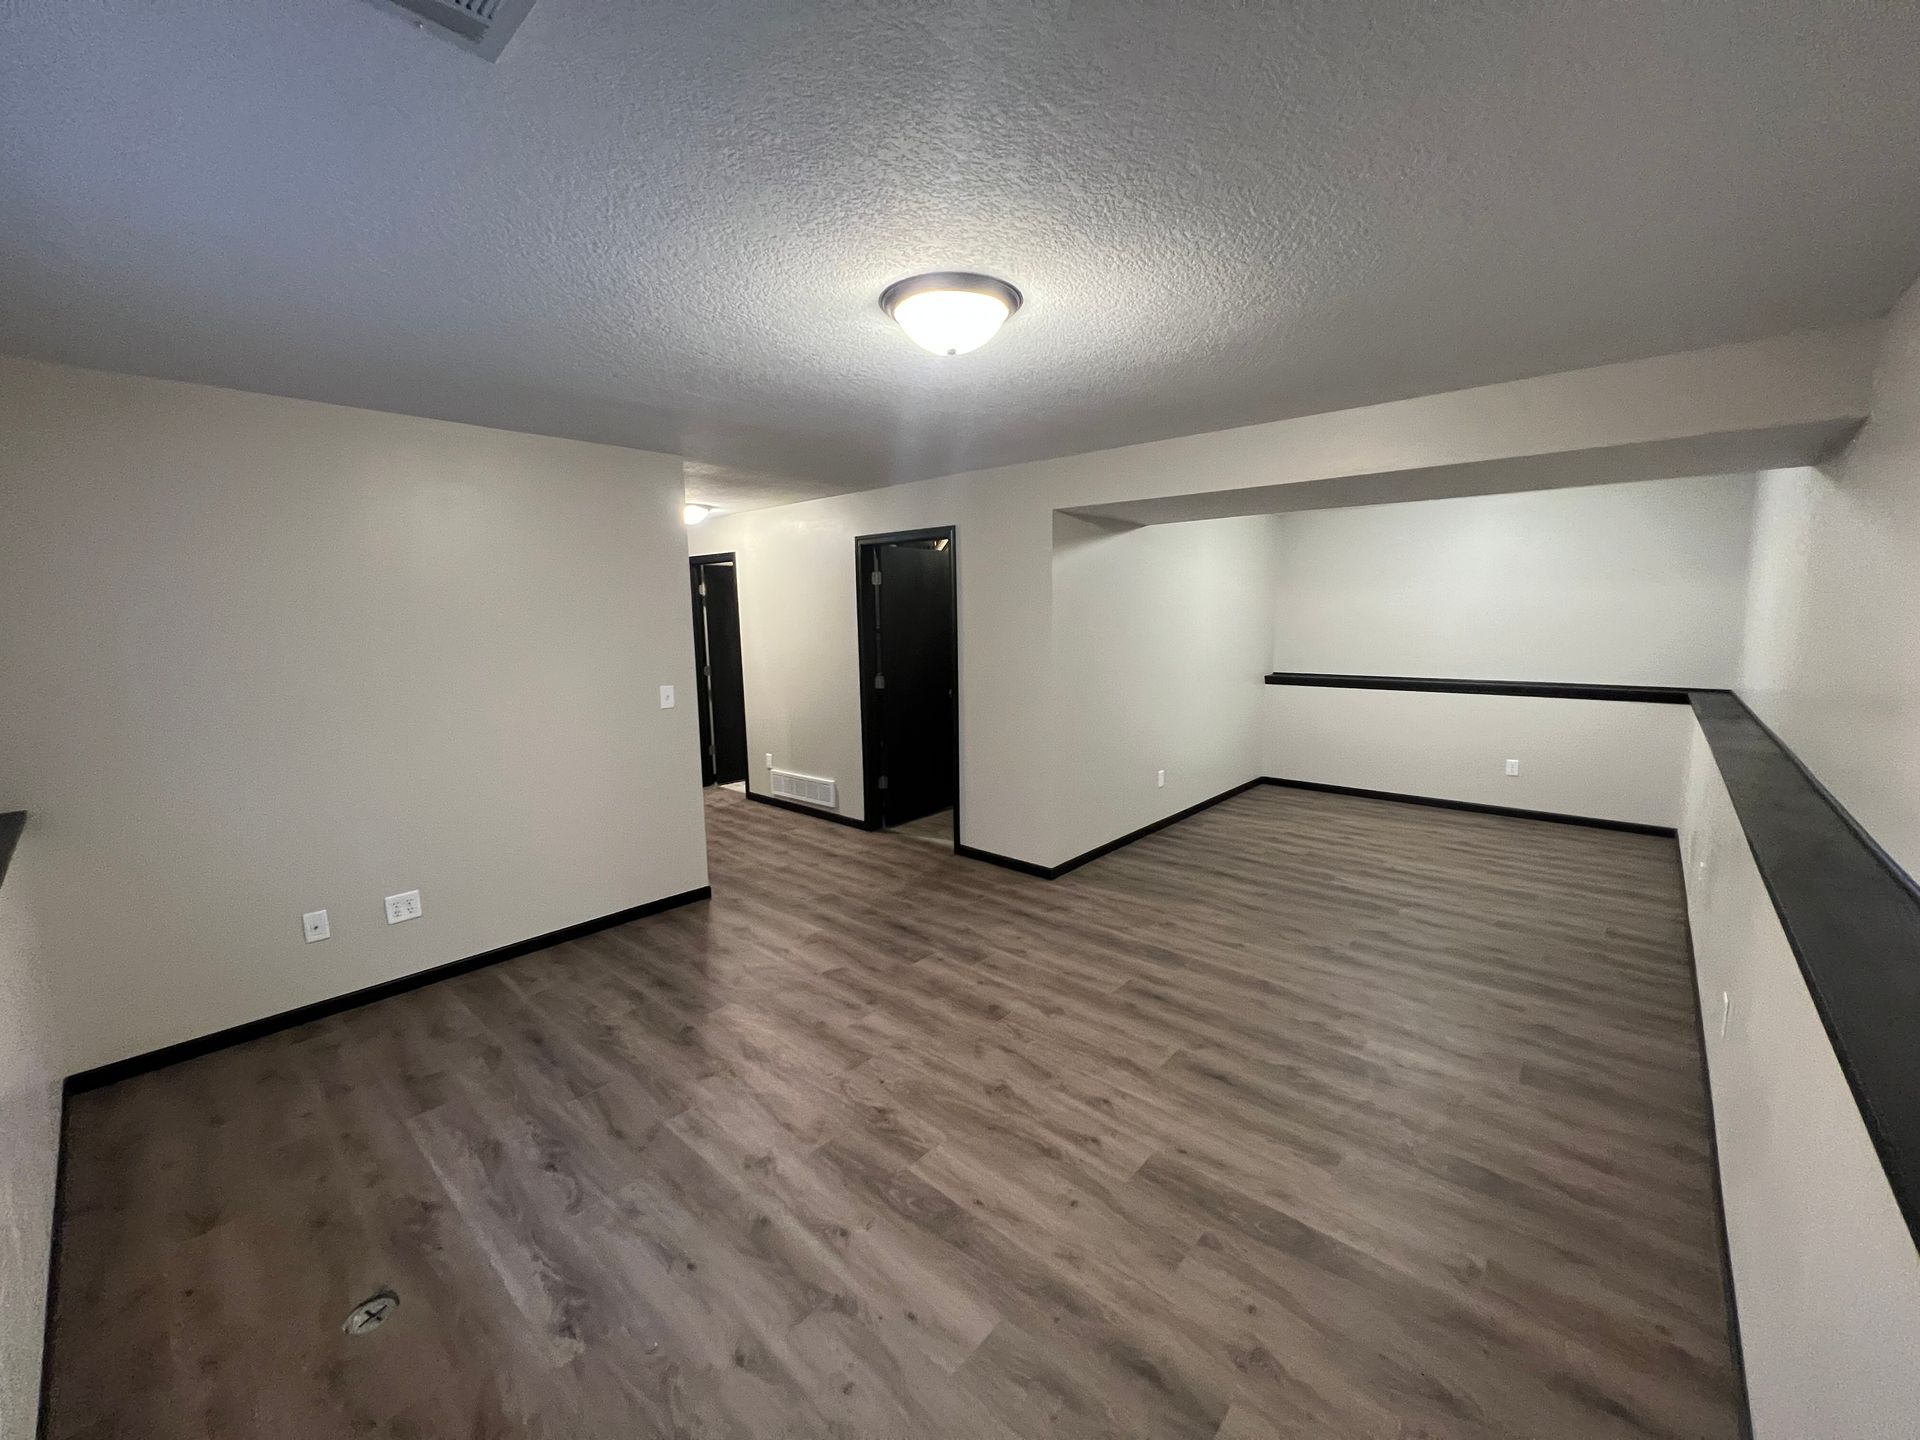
950	313
694	514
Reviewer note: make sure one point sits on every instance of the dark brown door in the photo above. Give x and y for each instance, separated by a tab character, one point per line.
910	676
719	683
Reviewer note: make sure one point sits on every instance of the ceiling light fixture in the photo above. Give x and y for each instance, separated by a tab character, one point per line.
950	313
694	514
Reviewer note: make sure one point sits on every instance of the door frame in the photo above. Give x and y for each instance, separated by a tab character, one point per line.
869	723
702	663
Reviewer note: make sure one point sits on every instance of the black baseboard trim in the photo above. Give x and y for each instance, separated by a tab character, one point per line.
1713	1162
1510	811
118	1070
814	810
11	824
1145	830
53	1271
1005	862
1054	872
1542	689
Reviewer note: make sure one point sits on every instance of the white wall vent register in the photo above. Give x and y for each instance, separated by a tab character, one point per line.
807	789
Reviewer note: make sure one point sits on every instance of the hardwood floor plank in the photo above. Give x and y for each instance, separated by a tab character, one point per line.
1311	1116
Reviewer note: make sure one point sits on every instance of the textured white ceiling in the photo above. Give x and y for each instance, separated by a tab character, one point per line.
666	224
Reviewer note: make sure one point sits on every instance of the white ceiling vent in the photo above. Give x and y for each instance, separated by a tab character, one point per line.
480	26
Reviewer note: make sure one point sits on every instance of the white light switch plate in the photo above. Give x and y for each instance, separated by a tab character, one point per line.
666	697
1513	767
314	925
405	906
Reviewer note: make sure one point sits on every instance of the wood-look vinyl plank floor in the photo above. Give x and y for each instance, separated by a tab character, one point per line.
1310	1116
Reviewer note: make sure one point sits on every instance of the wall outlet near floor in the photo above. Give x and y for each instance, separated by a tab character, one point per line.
1160	779
405	906
769	759
314	925
1513	767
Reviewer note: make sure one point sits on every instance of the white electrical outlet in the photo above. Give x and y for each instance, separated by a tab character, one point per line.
1513	767
405	906
769	759
666	697
1160	779
314	925
1726	1012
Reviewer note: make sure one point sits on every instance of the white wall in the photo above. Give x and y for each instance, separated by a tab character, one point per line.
1826	1270
800	650
29	1144
796	573
1597	758
1833	645
1159	645
264	656
1826	1275
1641	584
1127	652
1621	584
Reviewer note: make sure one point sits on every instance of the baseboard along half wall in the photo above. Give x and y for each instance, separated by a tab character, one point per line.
1054	872
1511	811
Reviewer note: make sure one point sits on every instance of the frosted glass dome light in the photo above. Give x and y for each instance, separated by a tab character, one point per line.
950	314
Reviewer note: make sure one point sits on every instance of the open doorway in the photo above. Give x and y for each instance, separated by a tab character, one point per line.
716	667
910	681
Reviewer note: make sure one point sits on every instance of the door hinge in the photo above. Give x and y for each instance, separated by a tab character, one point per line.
703	587
879	682
874	577
883	782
